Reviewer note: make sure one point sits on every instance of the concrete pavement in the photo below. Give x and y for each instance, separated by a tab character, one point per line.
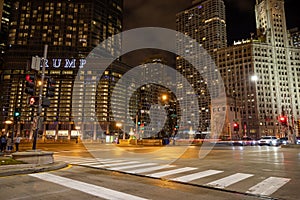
9	170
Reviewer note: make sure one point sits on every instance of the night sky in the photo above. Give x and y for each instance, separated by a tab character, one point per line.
240	16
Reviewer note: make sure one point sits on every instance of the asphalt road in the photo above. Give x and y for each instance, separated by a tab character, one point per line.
240	172
86	183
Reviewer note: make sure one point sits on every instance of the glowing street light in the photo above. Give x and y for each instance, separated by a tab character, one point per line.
8	122
254	78
119	125
164	97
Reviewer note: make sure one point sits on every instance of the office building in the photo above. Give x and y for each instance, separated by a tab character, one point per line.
5	10
204	22
71	29
155	100
295	36
263	74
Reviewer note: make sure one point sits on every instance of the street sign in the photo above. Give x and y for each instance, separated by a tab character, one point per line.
36	63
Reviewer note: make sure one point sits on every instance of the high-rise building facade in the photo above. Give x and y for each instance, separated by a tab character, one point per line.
71	29
204	22
295	36
5	11
155	100
263	74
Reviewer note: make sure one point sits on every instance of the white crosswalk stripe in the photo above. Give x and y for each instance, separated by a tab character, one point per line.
105	159
171	172
91	189
123	163
229	180
111	161
99	166
149	169
156	170
132	166
197	175
268	186
88	164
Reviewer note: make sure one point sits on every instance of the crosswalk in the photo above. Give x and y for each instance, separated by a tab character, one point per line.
264	187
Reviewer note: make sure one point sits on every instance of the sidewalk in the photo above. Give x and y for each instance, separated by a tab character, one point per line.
14	169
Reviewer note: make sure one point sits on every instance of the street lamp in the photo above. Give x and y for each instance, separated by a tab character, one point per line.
119	125
8	122
254	78
164	97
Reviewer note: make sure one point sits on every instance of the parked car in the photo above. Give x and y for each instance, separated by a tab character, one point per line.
283	141
269	140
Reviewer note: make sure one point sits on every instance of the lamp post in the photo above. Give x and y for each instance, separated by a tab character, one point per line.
119	125
254	78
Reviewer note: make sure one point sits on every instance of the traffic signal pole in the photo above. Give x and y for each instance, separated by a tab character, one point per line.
40	99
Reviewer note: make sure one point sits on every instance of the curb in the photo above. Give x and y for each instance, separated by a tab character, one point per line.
291	146
11	170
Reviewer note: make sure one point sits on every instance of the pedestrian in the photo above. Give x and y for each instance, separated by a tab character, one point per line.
17	142
9	144
3	143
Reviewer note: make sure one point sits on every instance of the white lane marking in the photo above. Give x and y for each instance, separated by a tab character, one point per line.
94	190
112	161
104	160
97	166
149	169
170	172
88	164
123	163
132	166
197	175
268	186
229	180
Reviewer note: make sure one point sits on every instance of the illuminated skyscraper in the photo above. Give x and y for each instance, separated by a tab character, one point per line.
273	61
204	22
71	29
295	37
5	11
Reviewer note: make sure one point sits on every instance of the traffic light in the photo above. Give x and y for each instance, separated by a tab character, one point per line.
30	84
142	126
50	87
236	126
283	120
17	114
33	100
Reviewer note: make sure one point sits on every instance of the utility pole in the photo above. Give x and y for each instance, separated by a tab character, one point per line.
40	98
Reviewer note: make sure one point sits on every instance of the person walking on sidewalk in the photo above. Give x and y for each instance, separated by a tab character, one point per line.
9	144
3	143
17	142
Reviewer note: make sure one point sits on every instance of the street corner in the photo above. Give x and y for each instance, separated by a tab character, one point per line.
17	169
